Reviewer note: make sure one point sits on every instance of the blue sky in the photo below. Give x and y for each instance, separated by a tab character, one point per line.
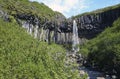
74	7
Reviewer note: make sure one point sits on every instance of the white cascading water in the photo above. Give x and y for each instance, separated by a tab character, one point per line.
31	29
75	39
36	31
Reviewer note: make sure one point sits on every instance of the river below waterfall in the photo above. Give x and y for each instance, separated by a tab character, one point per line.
92	74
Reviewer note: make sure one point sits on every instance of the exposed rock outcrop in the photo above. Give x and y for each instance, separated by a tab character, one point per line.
59	30
91	24
45	30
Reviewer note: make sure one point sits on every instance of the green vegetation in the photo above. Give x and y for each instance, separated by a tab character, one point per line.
98	11
23	57
14	7
104	50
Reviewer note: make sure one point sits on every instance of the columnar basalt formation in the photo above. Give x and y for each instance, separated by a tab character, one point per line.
91	24
59	29
50	31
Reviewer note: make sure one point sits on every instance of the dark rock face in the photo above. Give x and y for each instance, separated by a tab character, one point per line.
91	25
46	30
59	30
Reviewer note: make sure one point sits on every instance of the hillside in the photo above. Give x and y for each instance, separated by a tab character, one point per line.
18	7
103	52
36	18
23	57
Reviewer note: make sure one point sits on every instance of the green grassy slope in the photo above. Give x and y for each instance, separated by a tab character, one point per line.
13	7
104	50
22	57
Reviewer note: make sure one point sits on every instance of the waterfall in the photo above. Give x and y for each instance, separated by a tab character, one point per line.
31	29
36	32
75	39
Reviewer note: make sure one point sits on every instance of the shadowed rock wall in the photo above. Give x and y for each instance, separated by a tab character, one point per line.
92	24
59	30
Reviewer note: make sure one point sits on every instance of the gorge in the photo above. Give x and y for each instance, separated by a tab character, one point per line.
43	27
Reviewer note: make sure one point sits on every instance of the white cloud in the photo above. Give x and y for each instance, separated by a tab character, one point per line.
66	7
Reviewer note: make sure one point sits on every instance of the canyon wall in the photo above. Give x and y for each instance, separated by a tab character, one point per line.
59	30
90	25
